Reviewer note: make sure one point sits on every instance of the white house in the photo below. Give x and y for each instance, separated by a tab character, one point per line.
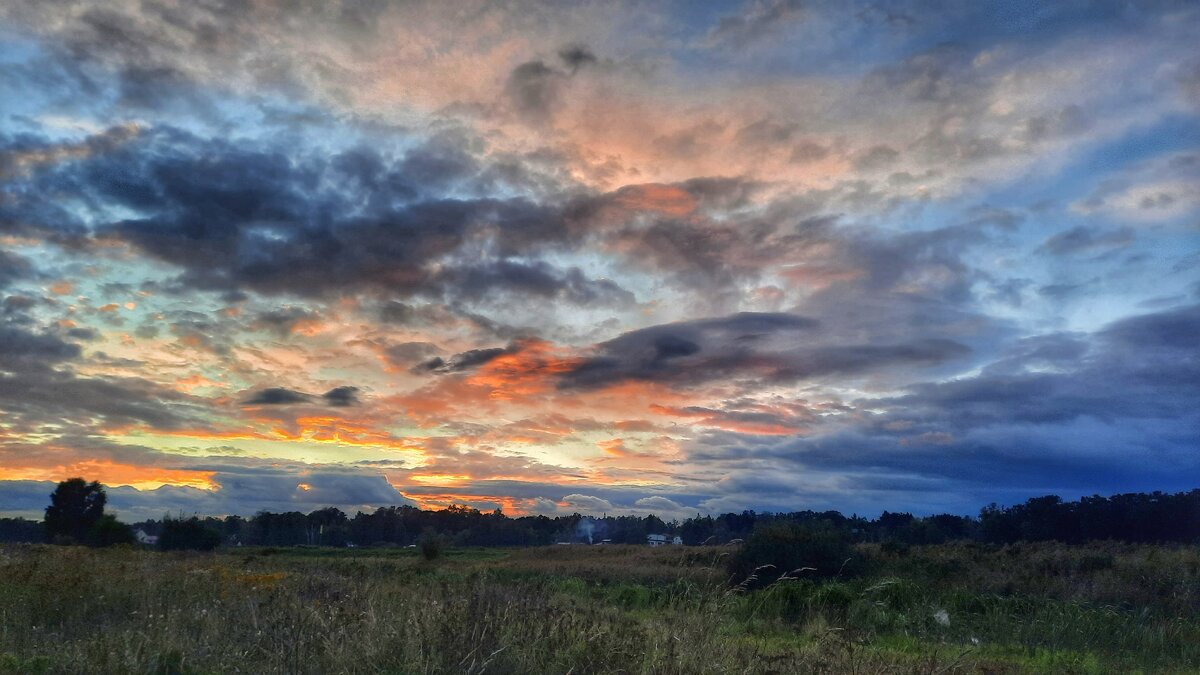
656	539
143	538
677	541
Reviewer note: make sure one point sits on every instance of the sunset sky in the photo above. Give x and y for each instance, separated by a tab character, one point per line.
612	257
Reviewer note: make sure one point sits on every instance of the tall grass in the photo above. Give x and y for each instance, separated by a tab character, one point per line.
594	610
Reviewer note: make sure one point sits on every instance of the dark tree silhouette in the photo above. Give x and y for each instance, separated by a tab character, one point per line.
1155	517
75	507
431	544
180	534
109	531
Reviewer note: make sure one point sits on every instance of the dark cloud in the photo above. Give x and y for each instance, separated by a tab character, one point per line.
1060	291
1142	367
16	304
396	312
1171	331
758	19
1066	121
13	268
40	388
533	87
341	396
936	74
235	216
88	334
285	319
277	396
408	354
808	151
537	279
876	157
1085	239
467	360
21	154
746	345
23	351
577	56
1059	413
769	134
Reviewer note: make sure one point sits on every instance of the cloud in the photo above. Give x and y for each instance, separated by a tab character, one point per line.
23	351
1084	239
339	397
538	279
757	20
277	396
1158	190
285	320
577	56
13	268
407	355
723	258
342	396
464	361
876	157
534	89
236	217
745	345
586	503
40	389
241	491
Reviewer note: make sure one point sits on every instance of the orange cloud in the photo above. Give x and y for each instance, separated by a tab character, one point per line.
614	447
523	372
195	381
112	474
663	199
819	275
730	421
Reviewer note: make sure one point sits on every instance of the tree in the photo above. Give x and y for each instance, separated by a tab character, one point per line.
75	507
180	534
109	531
14	530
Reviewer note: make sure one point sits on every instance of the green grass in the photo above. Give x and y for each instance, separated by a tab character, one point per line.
1030	608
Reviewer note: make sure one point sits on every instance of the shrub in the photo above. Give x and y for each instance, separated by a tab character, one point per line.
430	544
108	531
808	550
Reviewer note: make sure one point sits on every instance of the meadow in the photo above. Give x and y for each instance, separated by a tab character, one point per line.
950	608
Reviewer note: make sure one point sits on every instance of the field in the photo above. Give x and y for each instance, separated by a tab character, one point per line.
604	609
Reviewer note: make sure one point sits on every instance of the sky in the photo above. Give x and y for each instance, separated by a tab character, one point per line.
598	257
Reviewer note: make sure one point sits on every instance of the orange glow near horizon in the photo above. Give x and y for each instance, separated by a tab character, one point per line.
114	474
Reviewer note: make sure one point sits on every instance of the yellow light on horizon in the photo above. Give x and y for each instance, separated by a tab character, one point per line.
439	478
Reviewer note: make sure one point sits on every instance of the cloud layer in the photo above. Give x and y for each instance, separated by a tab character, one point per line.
619	258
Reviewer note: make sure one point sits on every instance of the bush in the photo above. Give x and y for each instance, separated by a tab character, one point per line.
809	550
430	544
187	534
108	531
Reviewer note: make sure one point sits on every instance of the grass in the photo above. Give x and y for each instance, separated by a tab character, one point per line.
615	609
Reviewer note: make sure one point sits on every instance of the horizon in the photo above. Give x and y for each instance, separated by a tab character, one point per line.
36	515
635	258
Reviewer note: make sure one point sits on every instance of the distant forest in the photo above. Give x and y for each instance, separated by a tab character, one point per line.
1137	517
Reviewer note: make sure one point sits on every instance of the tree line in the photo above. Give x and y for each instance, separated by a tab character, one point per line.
76	515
